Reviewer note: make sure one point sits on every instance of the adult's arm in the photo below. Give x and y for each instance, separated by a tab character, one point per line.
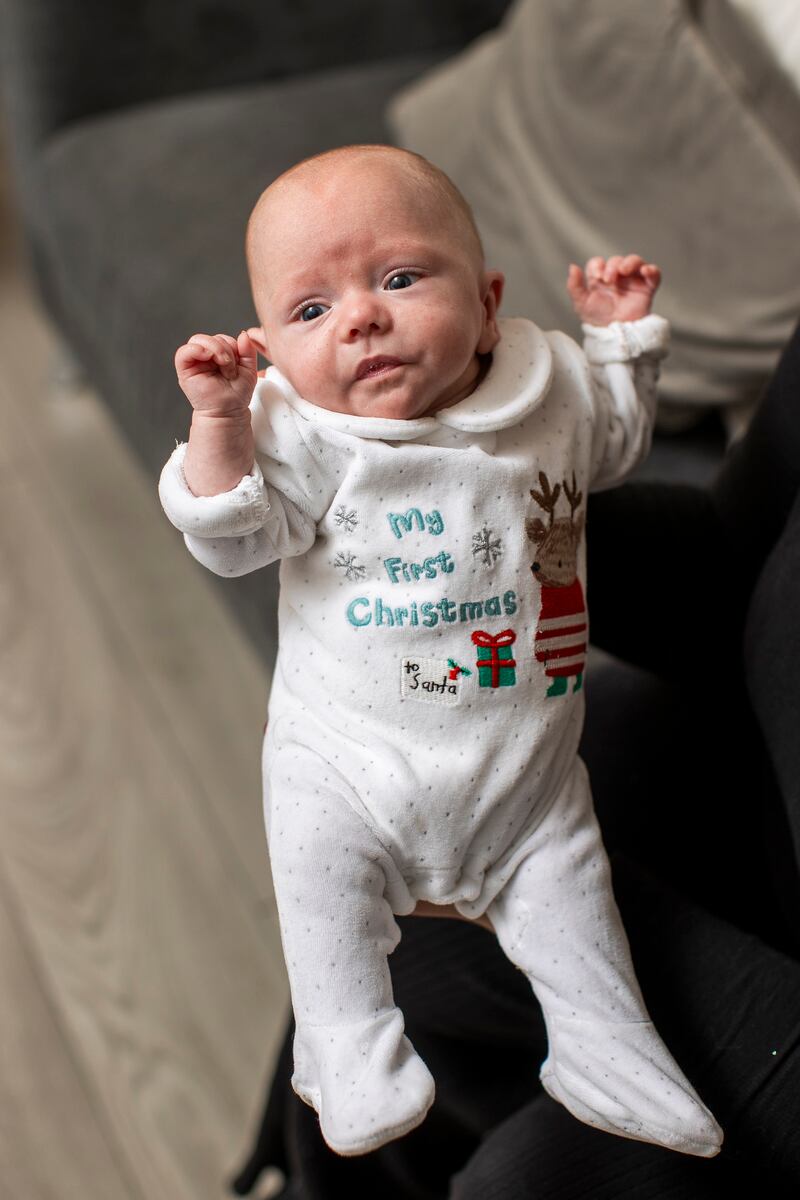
671	567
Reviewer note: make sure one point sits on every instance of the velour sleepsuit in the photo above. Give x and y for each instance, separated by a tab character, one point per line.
425	714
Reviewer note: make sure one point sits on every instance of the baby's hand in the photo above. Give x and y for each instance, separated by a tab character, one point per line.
217	373
619	289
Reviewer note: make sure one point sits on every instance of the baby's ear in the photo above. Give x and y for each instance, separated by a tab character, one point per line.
491	294
259	340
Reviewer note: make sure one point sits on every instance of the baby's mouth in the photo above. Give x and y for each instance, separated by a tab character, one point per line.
370	368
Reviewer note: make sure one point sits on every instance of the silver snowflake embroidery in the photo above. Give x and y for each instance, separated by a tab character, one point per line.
488	548
352	569
347	520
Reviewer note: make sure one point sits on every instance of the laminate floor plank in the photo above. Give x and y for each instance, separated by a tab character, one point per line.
53	1140
168	981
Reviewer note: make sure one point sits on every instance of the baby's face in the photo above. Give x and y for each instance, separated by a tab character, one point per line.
373	299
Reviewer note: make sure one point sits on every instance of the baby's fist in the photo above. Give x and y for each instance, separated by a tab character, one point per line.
217	372
618	289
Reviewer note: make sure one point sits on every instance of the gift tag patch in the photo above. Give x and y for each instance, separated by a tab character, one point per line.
432	680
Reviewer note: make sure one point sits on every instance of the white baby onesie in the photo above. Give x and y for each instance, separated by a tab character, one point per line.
425	715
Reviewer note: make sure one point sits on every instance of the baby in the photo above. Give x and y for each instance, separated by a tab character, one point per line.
420	467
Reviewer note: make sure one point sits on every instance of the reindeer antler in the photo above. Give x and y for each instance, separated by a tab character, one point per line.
548	496
574	496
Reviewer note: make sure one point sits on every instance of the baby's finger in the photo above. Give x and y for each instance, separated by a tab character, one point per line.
223	344
652	274
595	268
630	264
205	346
229	364
575	277
247	351
191	352
576	283
612	269
220	351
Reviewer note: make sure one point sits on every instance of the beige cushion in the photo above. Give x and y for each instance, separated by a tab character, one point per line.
586	127
776	24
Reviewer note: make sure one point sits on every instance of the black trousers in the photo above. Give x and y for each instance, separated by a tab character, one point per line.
695	769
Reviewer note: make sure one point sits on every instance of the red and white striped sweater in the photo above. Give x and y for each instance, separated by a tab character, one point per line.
561	634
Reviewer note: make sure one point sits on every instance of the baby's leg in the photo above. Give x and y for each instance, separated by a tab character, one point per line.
352	1062
557	920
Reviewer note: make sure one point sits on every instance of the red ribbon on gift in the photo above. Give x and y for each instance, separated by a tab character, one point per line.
491	641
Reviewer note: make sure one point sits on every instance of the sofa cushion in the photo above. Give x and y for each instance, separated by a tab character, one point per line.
579	129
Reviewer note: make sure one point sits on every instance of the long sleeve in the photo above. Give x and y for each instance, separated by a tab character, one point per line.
272	513
623	363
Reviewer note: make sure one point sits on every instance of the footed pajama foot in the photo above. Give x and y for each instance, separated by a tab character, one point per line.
365	1080
620	1077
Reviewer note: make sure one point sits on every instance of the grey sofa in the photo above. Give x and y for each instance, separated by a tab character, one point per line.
141	135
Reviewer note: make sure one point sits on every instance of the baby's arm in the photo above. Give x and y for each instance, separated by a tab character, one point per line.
623	344
245	490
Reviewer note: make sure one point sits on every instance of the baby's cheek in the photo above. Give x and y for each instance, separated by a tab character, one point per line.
460	326
309	375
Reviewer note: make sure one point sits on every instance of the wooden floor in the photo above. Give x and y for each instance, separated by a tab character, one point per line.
142	988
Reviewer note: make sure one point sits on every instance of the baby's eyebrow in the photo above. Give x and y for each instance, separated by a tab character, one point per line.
287	295
294	299
413	251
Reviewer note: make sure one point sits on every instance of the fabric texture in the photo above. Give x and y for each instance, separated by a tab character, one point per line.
575	130
489	809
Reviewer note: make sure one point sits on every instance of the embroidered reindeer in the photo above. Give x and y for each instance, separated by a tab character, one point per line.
561	631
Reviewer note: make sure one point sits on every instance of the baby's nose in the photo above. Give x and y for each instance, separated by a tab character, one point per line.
364	314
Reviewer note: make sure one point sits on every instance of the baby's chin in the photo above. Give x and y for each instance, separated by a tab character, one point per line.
391	406
393	410
404	404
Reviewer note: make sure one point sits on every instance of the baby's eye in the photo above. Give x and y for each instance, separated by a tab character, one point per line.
403	279
311	312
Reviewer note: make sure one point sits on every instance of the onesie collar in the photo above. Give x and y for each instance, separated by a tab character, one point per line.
515	384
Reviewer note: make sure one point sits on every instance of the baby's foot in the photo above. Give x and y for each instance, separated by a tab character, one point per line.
365	1080
620	1077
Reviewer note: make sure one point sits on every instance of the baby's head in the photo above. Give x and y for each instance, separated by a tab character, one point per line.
369	283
